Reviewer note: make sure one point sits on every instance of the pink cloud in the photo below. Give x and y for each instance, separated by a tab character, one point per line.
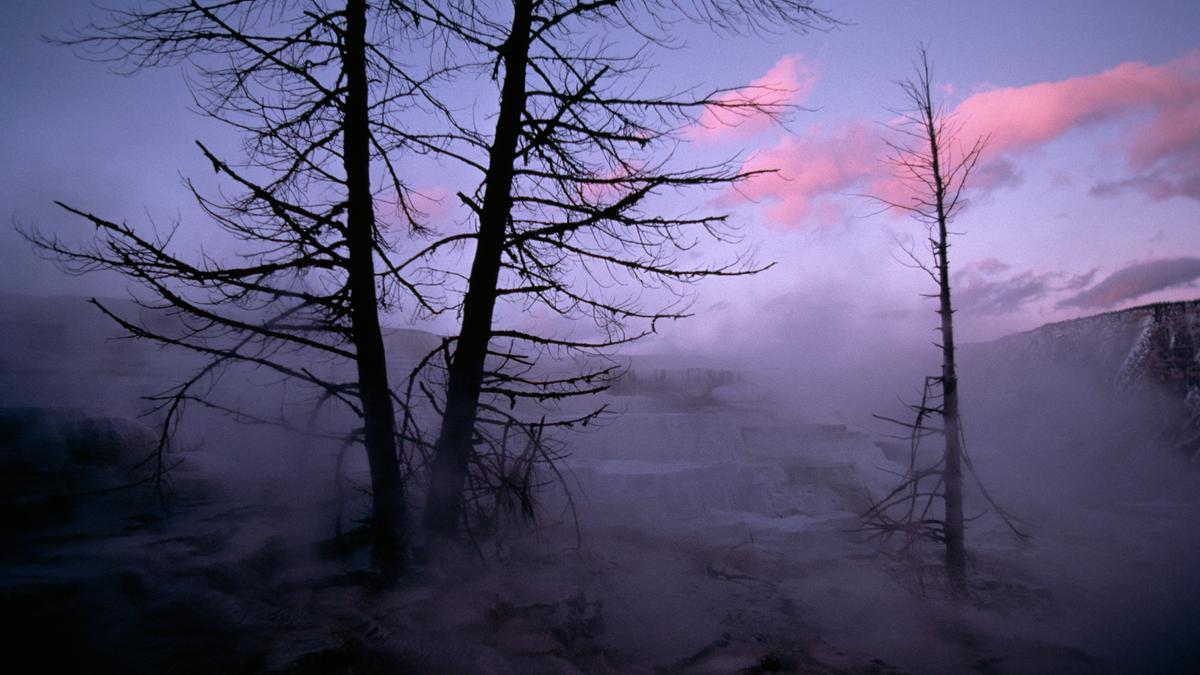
1161	148
809	169
1165	155
1162	152
431	206
788	82
1022	117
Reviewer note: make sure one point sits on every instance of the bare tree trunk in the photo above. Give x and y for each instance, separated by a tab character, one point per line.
454	445
956	557
937	167
387	491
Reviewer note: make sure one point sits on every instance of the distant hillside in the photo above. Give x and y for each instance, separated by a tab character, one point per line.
58	324
1148	354
1153	341
63	351
409	343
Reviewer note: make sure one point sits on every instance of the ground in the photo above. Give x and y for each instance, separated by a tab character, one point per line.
215	586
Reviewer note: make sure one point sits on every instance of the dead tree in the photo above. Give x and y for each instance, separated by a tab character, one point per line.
568	208
935	165
317	102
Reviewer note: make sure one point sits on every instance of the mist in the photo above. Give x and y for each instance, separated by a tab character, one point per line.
712	524
543	337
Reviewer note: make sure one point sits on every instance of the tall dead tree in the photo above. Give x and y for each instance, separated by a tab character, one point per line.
935	165
569	208
317	100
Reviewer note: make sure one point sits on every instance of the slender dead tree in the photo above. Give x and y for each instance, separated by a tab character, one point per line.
570	209
935	165
316	96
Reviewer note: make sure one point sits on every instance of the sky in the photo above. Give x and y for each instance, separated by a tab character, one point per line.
1087	197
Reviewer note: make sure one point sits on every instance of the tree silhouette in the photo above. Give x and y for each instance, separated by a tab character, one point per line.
316	97
569	212
935	165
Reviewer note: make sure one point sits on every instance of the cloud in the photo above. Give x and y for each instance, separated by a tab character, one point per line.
985	266
430	206
1161	146
985	287
810	169
1159	184
1136	281
788	82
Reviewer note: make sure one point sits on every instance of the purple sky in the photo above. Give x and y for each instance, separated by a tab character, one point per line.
1088	198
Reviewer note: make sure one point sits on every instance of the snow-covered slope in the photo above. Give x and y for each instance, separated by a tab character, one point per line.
1144	357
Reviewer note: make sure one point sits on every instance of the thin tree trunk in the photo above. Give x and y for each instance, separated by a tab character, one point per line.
956	557
455	441
387	491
